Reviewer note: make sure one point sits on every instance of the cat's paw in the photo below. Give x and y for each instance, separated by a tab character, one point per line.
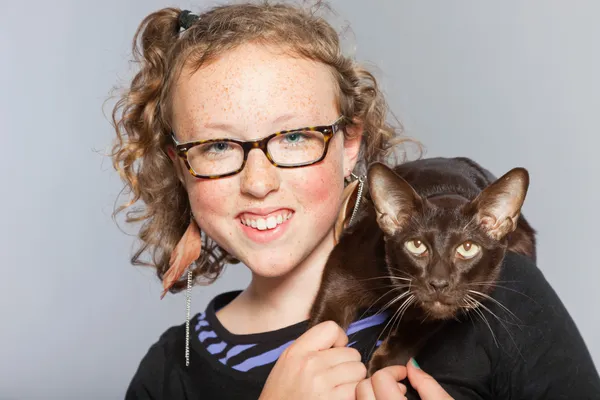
382	360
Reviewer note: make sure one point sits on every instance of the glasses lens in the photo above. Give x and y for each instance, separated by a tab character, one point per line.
216	158
297	148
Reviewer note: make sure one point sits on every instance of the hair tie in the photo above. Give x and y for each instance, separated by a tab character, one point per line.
186	19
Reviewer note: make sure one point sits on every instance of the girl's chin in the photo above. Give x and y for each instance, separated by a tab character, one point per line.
272	269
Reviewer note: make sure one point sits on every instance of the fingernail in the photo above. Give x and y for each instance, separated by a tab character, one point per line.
414	362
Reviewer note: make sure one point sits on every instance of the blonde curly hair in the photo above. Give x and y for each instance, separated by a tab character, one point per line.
142	115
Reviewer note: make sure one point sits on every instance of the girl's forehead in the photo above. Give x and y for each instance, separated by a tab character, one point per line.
254	86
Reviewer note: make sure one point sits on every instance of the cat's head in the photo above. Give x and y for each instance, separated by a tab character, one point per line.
446	250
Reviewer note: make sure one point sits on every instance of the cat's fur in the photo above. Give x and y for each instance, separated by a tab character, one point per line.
442	202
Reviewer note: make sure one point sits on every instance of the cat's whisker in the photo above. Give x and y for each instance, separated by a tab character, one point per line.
427	316
377	301
398	298
383	285
395	287
471	222
495	285
416	222
466	307
399	312
480	313
401	272
385	277
500	321
481	305
405	306
390	285
486	296
397	316
465	310
384	328
490	282
484	319
455	315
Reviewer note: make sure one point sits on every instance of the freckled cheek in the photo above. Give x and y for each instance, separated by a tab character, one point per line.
208	198
211	206
320	191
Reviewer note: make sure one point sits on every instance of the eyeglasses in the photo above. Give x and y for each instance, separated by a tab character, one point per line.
218	158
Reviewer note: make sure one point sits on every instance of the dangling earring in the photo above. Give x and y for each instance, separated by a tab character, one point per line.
361	185
188	303
184	254
349	195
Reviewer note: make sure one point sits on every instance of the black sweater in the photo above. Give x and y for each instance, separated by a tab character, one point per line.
537	353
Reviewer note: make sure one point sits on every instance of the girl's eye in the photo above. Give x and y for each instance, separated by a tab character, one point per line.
293	138
416	247
217	147
468	250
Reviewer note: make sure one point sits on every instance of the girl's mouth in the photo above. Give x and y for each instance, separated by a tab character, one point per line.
265	222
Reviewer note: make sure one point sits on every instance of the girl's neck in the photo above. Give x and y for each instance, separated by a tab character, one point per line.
269	304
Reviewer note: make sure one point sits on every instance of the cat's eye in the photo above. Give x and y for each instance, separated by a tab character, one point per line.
416	247
468	250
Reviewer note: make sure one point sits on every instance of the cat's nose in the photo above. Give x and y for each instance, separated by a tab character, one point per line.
438	284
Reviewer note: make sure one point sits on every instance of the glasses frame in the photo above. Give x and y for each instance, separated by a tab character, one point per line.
327	130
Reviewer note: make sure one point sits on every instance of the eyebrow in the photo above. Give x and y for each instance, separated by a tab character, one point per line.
223	126
228	128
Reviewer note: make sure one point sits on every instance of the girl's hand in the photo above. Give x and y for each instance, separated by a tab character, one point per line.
385	385
318	365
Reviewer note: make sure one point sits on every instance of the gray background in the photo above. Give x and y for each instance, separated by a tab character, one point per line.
507	83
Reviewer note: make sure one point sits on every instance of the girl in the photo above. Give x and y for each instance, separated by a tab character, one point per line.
238	134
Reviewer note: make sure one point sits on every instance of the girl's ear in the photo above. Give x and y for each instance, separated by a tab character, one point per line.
352	142
176	164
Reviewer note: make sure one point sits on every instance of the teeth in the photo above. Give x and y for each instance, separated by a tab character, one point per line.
262	224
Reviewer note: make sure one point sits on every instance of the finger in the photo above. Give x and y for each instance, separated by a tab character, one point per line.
338	355
348	372
320	337
385	382
346	391
397	372
364	390
402	388
427	387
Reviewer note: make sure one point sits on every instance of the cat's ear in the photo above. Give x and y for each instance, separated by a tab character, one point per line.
394	199
497	208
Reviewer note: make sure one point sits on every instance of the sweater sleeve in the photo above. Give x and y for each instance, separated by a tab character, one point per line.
552	361
153	373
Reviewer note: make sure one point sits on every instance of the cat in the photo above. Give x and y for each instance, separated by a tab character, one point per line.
428	243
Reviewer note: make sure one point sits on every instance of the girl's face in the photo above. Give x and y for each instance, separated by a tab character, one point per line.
246	94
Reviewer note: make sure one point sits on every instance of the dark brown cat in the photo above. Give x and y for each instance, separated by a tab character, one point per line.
428	243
